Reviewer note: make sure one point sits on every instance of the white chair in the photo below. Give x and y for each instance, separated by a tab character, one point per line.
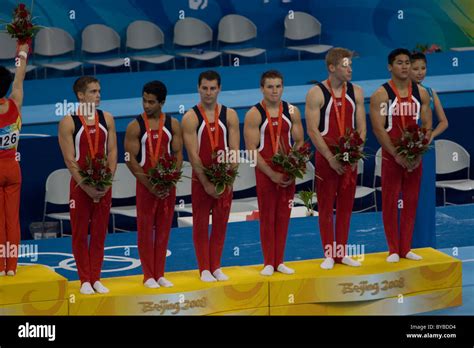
377	174
57	192
303	26
124	186
236	29
53	42
192	32
99	38
143	35
364	191
452	157
8	52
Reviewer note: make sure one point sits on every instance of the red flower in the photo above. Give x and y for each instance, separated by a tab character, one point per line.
425	141
21	7
412	128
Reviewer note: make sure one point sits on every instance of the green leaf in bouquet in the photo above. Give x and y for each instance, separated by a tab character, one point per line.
220	188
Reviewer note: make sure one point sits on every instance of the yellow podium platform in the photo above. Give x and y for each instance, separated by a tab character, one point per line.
34	290
245	293
376	288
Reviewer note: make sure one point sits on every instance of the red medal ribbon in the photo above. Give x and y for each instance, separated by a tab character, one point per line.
93	148
340	116
275	139
399	99
154	154
213	139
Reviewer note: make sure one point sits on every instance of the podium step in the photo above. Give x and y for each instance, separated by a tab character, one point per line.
34	290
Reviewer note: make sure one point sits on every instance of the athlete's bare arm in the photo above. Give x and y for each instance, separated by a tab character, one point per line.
442	119
361	124
66	143
314	102
17	87
297	132
252	139
189	126
111	142
426	120
234	132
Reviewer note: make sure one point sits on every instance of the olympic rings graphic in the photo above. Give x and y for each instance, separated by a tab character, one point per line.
69	263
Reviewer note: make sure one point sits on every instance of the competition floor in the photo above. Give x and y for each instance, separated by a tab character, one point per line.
455	237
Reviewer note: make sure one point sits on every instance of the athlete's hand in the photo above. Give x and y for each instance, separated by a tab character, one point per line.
211	190
401	161
354	167
336	166
160	194
92	192
415	164
281	179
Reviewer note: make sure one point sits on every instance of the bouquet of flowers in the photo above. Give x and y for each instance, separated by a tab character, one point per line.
166	174
294	162
97	173
413	142
220	173
434	48
348	150
22	27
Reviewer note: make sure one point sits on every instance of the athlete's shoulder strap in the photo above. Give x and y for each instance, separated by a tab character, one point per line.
102	120
351	91
416	91
389	90
169	123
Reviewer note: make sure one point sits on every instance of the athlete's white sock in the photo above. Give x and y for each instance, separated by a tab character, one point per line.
328	263
220	276
86	289
11	273
162	281
284	269
100	288
350	262
2	273
151	283
267	270
393	258
412	256
206	276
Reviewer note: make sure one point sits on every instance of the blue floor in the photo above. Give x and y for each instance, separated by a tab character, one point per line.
454	226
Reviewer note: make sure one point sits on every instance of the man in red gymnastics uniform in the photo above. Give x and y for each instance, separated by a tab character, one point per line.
332	107
10	173
394	106
270	127
149	137
90	132
208	128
